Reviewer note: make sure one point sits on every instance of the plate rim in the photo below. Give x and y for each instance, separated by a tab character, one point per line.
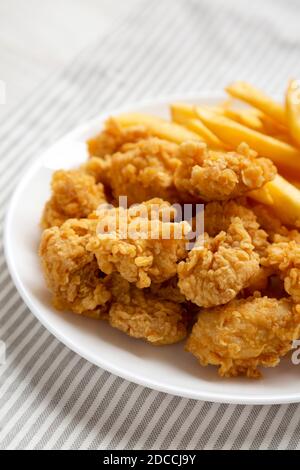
220	397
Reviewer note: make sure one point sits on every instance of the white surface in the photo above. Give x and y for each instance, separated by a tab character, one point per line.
168	369
38	37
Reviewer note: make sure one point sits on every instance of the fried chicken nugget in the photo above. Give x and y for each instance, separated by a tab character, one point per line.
284	257
140	314
99	169
111	139
273	226
245	334
216	176
144	170
215	273
168	290
218	216
141	249
75	194
71	272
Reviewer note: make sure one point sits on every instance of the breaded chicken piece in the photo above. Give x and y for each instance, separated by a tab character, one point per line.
99	169
273	226
218	216
111	139
261	282
267	219
245	334
71	272
140	314
284	257
75	194
215	273
144	170
216	176
168	290
141	249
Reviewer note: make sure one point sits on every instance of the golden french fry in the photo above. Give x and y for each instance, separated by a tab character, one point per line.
246	92
213	109
181	112
262	195
210	138
293	110
283	137
245	117
286	200
284	155
272	127
185	115
294	182
227	103
249	117
158	127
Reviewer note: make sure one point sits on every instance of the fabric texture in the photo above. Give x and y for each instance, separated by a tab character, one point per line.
50	398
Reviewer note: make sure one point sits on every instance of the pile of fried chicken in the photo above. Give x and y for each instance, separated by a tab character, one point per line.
236	298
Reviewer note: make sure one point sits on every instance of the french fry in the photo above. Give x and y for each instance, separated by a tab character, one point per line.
294	182
246	92
158	127
209	137
186	116
286	200
245	117
186	110
284	138
213	109
262	195
293	110
255	119
272	127
181	112
284	155
249	116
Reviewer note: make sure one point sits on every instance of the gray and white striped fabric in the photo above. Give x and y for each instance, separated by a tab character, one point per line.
50	398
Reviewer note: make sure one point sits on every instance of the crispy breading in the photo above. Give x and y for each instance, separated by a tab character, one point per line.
131	265
273	226
140	314
98	168
284	257
218	215
145	170
140	170
75	194
260	282
216	176
245	334
71	271
215	273
168	290
142	250
111	139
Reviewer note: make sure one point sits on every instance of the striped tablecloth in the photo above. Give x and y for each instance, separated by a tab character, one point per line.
50	398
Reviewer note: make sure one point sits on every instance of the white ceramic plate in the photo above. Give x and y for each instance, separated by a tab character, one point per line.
168	369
